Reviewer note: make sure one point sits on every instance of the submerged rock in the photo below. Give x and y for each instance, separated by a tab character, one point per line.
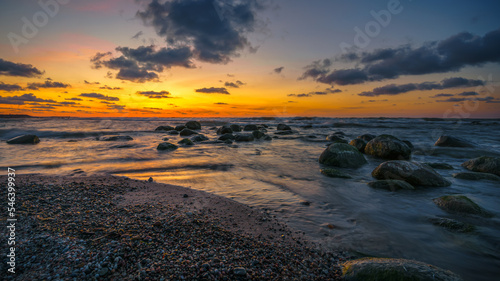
286	132
250	127
460	204
483	164
414	173
392	185
442	166
166	146
388	147
258	134
384	269
334	173
186	142
226	137
336	138
116	138
283	127
224	130
359	144
180	128
367	137
193	125
199	138
453	142
24	139
187	132
243	137
476	176
342	155
452	225
164	128
235	127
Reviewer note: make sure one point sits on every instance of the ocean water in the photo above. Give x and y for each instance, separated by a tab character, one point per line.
280	175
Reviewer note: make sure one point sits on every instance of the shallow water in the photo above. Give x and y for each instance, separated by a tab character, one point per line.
281	174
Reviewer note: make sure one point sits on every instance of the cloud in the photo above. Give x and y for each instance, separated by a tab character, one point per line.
213	90
137	35
155	95
18	69
91	83
468	94
451	54
25	98
47	84
106	87
488	99
236	84
99	96
442	95
10	87
221	103
278	70
77	99
319	93
393	89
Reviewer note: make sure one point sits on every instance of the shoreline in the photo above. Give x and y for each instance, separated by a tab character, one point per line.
116	228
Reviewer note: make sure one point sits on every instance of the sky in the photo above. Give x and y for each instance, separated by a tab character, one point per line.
244	58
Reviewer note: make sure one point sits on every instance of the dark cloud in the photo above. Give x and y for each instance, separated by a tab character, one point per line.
453	100
91	83
99	96
18	69
137	35
10	87
393	89
279	69
47	84
116	107
221	103
320	93
77	99
442	95
451	54
236	84
488	99
468	94
213	90
106	87
25	98
155	95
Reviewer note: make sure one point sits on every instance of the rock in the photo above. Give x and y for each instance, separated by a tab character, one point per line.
452	225
193	125
453	142
227	137
164	128
165	139
476	176
186	142
367	137
409	144
150	179
342	155
267	138
187	132
360	144
336	138
240	271
286	132
250	127
243	137
483	164
180	128
442	166
166	146
414	173
173	132
460	204
224	130
24	139
103	271
334	173
392	185
258	134
382	269
235	128
116	138
388	147
340	133
199	138
283	127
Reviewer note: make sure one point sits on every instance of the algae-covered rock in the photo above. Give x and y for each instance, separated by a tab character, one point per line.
441	166
476	176
453	225
186	142
342	155
334	173
392	185
360	144
483	164
388	147
460	204
166	146
414	173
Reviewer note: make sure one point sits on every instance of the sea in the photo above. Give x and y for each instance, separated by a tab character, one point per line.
282	176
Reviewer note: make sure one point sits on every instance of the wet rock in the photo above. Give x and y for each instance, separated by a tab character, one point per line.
186	142
165	139
360	144
409	144
250	127
224	130
266	138
166	146
452	225
199	138
150	179
367	137
258	134
187	132
392	185
283	127
414	173
164	128
476	176
334	173
240	271
450	141
227	137
193	125
286	132
180	128
336	138
24	139
379	269
116	138
388	147
460	204
342	155
236	128
483	164
173	132
244	137
442	166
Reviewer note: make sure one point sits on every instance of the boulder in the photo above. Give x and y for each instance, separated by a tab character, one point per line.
236	128
360	144
186	142
460	204
392	185
283	127
165	139
266	138
226	137
453	225
453	142
285	132
250	127
388	147
173	132
180	128
385	269
409	144
116	138
367	137
224	130
24	139
193	125
166	146
476	176
336	138
164	128
244	137
342	155
199	138
187	132
414	173
334	173
442	166
483	164
258	134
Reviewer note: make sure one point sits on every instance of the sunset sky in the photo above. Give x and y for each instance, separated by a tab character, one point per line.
183	58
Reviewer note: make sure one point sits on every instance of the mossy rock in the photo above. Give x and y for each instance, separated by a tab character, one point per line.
460	204
483	164
476	176
334	173
166	146
186	142
392	185
388	147
441	166
453	225
342	155
384	269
